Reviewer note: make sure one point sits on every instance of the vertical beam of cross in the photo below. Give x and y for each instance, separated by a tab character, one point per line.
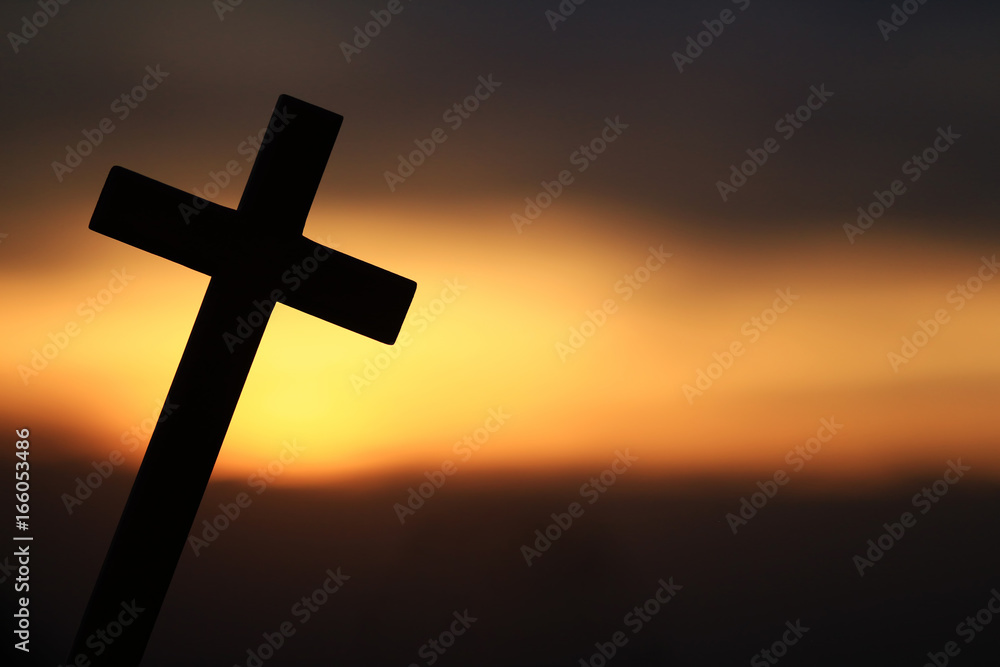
248	253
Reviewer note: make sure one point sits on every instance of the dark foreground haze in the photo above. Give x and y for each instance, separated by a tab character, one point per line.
459	556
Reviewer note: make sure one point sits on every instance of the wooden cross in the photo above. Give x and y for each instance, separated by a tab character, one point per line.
256	256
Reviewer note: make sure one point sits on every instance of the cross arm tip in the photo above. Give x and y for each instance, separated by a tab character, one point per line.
349	292
118	178
408	288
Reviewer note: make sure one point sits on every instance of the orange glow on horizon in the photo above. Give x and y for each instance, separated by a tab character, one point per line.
494	347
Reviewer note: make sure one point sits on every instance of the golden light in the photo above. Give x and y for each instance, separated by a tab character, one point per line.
490	309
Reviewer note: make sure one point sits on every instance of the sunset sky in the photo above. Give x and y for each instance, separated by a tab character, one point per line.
524	288
722	241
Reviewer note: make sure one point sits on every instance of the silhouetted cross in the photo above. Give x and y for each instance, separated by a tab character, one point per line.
256	256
